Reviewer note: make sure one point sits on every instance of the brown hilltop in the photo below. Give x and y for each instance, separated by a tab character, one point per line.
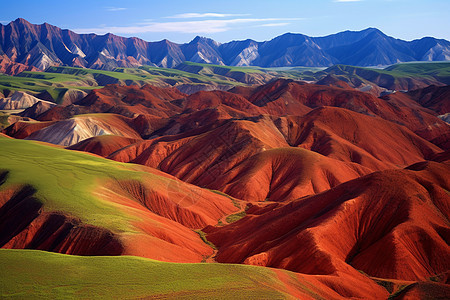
124	100
200	158
420	120
234	156
332	80
278	98
349	83
335	132
7	66
129	100
103	145
232	104
384	224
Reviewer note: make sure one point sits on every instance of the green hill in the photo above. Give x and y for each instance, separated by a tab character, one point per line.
32	274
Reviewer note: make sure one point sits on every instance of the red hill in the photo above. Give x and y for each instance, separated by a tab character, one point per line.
103	145
349	136
285	174
433	97
200	158
22	129
390	224
287	97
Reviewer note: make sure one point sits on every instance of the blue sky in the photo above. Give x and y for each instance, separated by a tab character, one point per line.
181	20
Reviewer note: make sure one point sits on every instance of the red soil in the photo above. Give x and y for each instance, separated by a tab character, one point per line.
349	136
285	174
390	224
128	100
417	118
287	97
164	211
232	157
103	145
22	129
433	97
232	104
201	158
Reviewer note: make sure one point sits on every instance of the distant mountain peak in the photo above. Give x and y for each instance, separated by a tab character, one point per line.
45	44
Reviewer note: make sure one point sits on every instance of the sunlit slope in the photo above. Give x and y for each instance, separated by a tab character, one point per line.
70	202
42	275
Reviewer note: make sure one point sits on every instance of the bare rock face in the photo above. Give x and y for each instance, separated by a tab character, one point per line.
44	45
72	131
73	95
37	109
20	100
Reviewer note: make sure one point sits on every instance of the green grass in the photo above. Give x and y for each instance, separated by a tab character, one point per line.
437	70
37	82
4	120
400	290
235	217
179	76
205	240
31	274
68	180
226	68
57	80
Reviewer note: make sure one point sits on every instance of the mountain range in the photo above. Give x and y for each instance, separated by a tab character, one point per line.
24	45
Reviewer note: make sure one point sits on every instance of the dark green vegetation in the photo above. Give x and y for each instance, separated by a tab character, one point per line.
235	217
205	240
436	70
26	274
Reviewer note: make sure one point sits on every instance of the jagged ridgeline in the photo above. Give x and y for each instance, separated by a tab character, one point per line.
40	46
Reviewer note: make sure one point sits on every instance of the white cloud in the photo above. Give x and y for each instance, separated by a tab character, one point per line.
204	15
111	8
273	24
203	26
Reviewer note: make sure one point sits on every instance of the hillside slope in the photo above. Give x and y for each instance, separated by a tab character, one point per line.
70	202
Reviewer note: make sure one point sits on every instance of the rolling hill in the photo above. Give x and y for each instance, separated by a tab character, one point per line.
71	202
